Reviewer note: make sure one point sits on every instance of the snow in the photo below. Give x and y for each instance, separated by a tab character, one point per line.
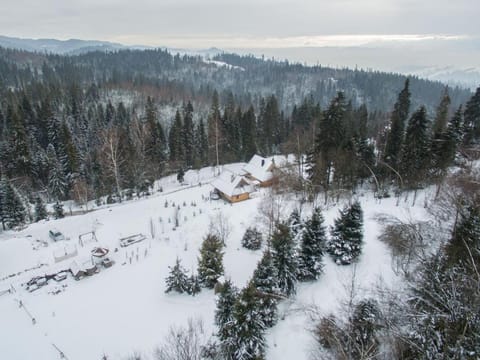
224	64
124	308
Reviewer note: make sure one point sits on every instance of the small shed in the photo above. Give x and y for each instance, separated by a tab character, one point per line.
231	187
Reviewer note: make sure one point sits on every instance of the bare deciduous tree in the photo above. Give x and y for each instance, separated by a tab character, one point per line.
220	226
183	343
111	154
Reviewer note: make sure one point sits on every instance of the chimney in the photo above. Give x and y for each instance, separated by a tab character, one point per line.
263	162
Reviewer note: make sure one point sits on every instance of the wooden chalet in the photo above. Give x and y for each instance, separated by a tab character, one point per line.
231	187
261	171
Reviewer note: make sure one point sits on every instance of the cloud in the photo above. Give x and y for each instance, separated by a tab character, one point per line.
149	21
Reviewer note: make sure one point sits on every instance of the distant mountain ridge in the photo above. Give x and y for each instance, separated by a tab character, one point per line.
71	46
77	46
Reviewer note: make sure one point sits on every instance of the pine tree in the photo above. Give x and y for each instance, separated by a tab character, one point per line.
224	317
252	239
395	135
285	259
194	285
248	337
58	210
329	142
175	143
472	119
201	144
265	281
295	223
57	182
345	244
177	280
464	246
188	134
415	154
248	131
210	263
13	211
312	245
40	209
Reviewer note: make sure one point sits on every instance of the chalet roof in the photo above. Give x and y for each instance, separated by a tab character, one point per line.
75	269
231	184
260	168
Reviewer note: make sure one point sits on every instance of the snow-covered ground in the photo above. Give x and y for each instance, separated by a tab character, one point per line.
124	308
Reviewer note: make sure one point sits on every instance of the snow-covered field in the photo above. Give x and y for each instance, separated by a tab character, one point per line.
124	308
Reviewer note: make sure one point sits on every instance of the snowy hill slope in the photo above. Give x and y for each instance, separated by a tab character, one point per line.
124	308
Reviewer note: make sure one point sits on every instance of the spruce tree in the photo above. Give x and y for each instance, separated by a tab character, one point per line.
265	281
284	259
224	317
40	209
464	246
58	210
295	223
175	142
188	140
312	245
177	280
248	337
248	130
210	263
329	141
252	239
194	285
472	119
201	145
395	135
415	154
13	211
346	240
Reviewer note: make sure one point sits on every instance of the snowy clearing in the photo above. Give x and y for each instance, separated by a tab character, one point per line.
123	308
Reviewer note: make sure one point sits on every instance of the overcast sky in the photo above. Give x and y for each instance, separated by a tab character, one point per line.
240	23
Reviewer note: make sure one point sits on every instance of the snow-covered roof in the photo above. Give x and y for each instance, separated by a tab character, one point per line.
74	268
231	184
99	252
260	168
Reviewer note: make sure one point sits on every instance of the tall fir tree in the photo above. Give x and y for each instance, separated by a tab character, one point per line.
464	246
248	338
210	263
265	281
396	132
188	134
329	143
345	245
224	318
13	212
438	144
175	143
248	130
40	209
415	154
201	145
472	119
285	259
58	210
313	242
